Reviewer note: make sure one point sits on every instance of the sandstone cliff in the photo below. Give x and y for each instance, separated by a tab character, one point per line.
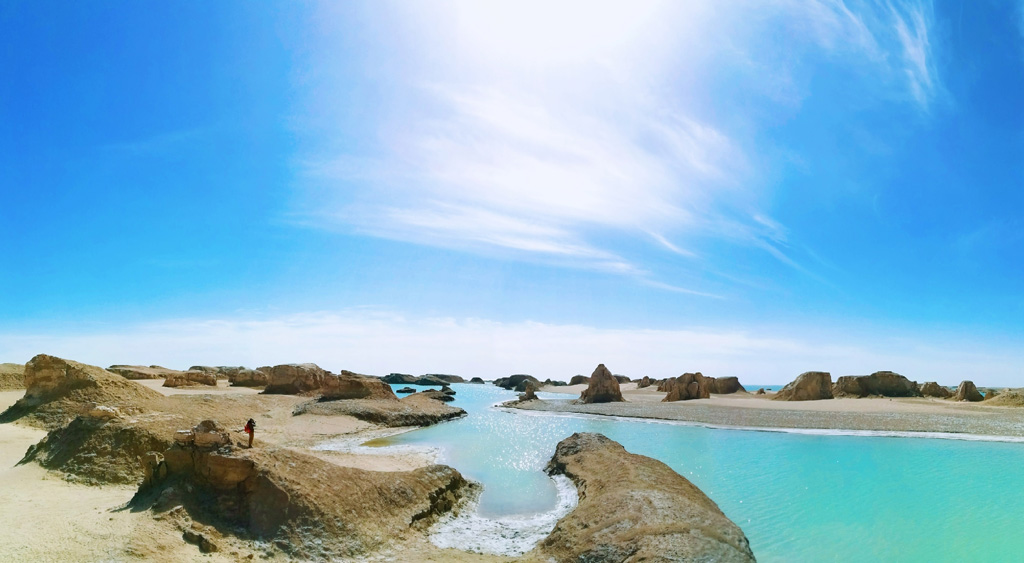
881	383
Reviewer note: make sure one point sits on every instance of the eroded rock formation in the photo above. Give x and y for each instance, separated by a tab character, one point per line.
516	382
293	379
645	382
187	378
603	387
635	508
579	380
881	383
12	376
808	386
351	385
687	387
966	391
933	389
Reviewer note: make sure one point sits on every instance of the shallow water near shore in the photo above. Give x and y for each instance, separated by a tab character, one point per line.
798	497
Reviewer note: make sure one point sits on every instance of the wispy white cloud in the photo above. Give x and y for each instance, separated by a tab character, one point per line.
544	130
380	342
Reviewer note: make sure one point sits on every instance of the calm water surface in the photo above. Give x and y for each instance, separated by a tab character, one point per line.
797	497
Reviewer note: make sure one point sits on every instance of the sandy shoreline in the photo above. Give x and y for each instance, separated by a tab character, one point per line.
748	411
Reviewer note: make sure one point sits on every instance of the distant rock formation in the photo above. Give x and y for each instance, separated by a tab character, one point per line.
808	386
725	385
622	379
554	382
477	380
406	390
882	383
636	509
293	379
966	391
579	380
188	378
645	382
436	395
351	385
142	372
12	376
399	379
245	377
446	377
515	382
761	391
687	387
933	389
603	387
416	409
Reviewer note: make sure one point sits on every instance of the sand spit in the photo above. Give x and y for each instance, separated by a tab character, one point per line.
745	410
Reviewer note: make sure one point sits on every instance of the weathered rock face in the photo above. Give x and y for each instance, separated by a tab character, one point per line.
529	395
687	387
622	379
350	385
725	385
209	434
50	376
245	377
933	389
808	386
292	379
966	391
645	382
12	376
187	378
513	382
417	409
634	508
447	378
883	383
579	380
603	387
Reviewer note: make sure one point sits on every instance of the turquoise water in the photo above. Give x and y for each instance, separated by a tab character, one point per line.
797	497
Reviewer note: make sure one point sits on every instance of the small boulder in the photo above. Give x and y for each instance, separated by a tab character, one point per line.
933	389
603	387
808	386
436	395
406	390
966	391
210	434
101	412
761	391
645	382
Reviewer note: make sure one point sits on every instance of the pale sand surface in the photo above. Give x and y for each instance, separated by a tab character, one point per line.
45	518
759	411
222	387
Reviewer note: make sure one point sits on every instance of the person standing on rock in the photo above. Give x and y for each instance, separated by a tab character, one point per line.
250	429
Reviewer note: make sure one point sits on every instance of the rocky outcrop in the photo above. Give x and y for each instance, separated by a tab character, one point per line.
515	382
189	378
933	389
635	508
311	509
417	409
603	387
399	379
406	390
966	391
294	379
808	386
645	382
529	395
579	380
351	385
761	391
436	395
687	387
477	380
56	389
725	385
554	383
12	376
622	379
881	383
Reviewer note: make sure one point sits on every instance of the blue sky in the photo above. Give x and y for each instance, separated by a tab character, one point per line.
751	189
